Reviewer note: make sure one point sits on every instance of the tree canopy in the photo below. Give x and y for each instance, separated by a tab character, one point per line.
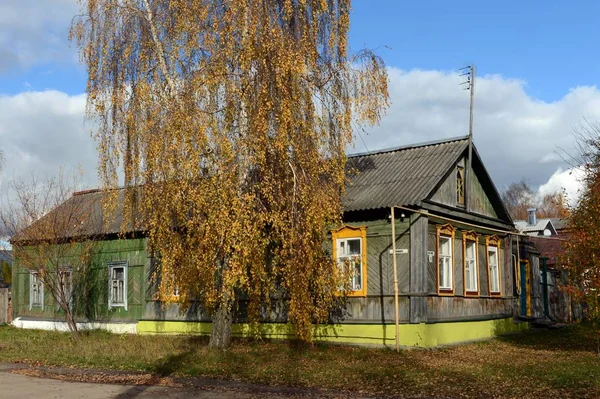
582	257
519	197
234	118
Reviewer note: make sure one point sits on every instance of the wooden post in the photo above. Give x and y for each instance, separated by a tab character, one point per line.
395	280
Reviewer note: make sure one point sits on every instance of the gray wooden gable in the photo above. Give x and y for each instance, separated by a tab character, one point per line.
483	197
420	174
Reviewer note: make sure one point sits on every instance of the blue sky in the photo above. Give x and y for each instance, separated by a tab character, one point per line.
552	45
536	61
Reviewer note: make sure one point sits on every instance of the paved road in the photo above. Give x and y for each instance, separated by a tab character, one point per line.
22	386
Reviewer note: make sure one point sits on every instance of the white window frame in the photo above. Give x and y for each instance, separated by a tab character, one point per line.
341	259
471	267
34	276
494	269
445	260
117	265
62	271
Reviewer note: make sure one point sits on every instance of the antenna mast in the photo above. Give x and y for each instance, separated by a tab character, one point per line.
469	84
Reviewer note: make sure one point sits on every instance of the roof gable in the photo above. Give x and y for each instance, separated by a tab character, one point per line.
401	176
481	193
539	227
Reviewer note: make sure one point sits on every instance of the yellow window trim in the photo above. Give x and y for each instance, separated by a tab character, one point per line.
445	230
347	231
493	241
473	237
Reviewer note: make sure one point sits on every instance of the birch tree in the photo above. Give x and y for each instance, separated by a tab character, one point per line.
233	116
52	237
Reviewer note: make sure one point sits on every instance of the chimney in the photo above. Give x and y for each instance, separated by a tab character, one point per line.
531	218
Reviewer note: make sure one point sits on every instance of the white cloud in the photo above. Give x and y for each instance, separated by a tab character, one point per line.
517	136
42	132
568	180
35	31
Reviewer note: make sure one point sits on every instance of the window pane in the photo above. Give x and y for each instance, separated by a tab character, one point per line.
445	272
493	256
445	246
470	250
353	247
357	278
349	259
493	263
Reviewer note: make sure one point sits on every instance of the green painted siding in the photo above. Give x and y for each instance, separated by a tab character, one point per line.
90	284
376	307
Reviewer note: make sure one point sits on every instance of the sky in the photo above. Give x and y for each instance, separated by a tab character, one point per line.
537	71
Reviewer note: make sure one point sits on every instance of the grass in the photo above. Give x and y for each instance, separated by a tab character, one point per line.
556	363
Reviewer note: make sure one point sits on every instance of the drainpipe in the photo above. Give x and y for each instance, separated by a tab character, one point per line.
395	280
544	261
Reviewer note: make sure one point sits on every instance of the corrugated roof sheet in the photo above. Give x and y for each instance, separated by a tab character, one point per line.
82	215
401	176
380	179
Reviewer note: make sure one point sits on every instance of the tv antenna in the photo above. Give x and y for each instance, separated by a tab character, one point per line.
468	73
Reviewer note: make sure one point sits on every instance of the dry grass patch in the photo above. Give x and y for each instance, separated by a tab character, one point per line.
559	363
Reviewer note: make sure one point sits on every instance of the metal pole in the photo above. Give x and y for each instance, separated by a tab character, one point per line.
395	281
470	163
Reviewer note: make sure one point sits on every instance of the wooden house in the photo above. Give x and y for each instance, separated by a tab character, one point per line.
424	229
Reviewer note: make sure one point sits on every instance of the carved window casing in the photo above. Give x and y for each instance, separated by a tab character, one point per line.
445	259
350	252
470	260
492	245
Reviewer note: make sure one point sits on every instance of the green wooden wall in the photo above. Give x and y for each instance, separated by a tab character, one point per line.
90	284
416	278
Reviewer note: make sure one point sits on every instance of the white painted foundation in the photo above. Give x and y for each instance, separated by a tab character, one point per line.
117	328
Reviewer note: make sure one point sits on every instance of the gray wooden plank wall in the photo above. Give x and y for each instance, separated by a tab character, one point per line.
4	305
484	288
451	308
419	268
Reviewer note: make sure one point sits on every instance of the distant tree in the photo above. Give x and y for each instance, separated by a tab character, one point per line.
582	257
519	197
234	117
553	205
49	244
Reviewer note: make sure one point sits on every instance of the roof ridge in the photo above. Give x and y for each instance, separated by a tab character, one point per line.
408	146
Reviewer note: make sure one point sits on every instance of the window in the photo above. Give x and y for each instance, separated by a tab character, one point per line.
36	291
470	261
65	283
117	284
445	239
350	251
493	260
460	185
349	257
175	294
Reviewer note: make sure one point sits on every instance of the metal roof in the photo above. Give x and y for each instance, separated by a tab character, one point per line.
540	226
380	179
82	215
399	176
